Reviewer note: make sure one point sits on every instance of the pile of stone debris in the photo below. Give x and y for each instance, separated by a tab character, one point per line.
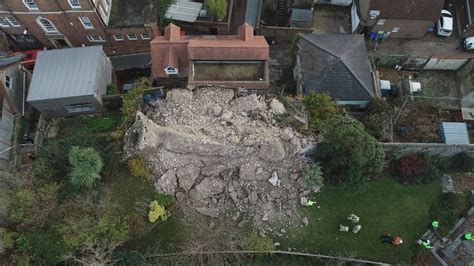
218	153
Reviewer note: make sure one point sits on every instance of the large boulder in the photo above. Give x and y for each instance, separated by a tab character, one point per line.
209	187
277	107
167	183
248	103
187	176
272	151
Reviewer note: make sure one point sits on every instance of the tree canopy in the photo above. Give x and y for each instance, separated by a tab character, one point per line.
348	154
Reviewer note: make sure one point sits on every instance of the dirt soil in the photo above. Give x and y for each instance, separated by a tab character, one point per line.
219	154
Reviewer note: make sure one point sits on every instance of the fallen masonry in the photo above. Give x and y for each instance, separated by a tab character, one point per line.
218	153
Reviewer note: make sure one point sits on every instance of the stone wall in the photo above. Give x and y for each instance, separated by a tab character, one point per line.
445	150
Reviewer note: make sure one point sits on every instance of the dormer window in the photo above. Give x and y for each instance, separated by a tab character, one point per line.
30	4
169	70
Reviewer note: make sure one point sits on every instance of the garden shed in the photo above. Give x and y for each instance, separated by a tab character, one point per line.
70	81
454	133
301	17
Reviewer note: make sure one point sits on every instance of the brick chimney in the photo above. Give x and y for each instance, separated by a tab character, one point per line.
172	32
246	32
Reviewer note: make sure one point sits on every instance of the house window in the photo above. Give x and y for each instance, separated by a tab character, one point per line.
8	82
4	23
30	4
12	20
86	22
47	25
381	22
118	37
169	70
74	3
132	37
80	107
95	38
146	36
396	29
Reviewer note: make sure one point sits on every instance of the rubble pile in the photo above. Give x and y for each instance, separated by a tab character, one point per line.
218	153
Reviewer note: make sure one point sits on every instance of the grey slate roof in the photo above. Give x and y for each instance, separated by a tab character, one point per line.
337	64
65	73
7	58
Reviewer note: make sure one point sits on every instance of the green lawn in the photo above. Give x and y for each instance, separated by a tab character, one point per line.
384	206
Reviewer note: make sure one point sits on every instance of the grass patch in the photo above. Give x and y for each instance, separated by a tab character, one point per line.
384	206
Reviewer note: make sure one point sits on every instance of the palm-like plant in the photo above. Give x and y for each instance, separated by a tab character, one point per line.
86	166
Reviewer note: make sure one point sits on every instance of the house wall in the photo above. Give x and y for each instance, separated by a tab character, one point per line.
57	107
66	20
15	94
406	28
6	136
281	33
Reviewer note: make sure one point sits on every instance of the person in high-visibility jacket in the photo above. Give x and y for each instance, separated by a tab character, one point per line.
435	224
468	236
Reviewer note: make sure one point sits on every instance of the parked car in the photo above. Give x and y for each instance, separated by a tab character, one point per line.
469	43
444	26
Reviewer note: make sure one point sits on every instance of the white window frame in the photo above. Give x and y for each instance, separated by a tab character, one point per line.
381	22
132	38
30	4
47	28
4	23
74	3
80	107
396	29
95	38
13	21
145	34
87	23
8	82
119	39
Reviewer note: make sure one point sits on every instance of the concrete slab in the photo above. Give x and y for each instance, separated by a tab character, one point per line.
331	19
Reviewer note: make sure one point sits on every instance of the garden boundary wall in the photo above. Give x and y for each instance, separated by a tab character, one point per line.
439	149
284	34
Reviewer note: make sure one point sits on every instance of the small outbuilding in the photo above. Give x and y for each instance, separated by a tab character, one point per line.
70	81
301	17
454	133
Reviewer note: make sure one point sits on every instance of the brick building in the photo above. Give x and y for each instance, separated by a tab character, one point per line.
120	27
228	60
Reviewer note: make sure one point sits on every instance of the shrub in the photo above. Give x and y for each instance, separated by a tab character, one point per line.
86	166
126	258
44	169
258	243
450	208
138	168
314	176
132	102
218	8
378	125
417	168
157	211
378	106
411	168
44	247
462	162
103	124
162	7
112	89
320	107
359	155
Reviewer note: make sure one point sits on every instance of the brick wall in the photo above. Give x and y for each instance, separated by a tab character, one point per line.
445	150
71	30
281	33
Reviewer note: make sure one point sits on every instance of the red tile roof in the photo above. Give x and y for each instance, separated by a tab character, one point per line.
176	50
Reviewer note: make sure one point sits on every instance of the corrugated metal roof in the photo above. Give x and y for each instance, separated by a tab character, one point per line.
251	12
455	133
300	14
65	73
184	10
